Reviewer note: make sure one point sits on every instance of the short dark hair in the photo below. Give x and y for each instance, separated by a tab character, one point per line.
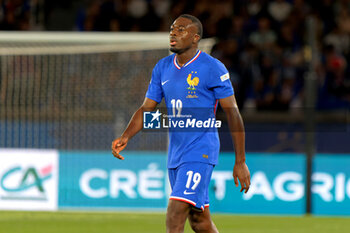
196	21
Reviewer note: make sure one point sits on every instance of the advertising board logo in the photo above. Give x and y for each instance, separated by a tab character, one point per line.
151	120
145	184
25	183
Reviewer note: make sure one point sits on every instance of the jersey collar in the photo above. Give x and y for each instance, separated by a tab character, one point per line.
189	62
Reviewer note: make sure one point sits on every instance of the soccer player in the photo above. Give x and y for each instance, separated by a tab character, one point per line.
192	83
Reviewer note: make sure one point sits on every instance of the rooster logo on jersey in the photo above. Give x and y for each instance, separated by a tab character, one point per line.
192	82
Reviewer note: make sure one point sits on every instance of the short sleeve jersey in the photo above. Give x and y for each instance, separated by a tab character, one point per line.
194	89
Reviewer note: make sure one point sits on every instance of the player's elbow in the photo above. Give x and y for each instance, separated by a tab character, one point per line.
148	105
232	113
147	108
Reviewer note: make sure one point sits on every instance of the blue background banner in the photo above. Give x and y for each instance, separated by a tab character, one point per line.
331	189
277	185
98	180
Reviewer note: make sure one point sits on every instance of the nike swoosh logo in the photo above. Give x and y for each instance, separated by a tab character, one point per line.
187	193
165	82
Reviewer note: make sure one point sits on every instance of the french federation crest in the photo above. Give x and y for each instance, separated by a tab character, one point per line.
192	82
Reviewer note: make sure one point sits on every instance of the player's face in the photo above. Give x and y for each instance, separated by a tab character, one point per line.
183	35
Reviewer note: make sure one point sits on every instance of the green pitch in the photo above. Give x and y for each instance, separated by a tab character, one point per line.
122	222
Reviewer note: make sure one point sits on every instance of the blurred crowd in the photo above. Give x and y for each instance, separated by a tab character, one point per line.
261	42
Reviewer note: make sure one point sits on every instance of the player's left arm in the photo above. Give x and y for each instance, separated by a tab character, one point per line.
235	122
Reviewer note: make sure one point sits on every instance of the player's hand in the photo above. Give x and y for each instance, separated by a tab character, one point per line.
241	173
118	145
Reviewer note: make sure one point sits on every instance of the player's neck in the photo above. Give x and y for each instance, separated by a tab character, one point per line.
186	56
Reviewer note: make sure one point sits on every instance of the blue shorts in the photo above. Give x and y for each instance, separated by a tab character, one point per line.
190	183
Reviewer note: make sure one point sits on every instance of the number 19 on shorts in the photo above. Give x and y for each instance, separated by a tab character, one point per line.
193	180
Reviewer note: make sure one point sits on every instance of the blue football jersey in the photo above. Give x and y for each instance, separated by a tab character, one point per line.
191	93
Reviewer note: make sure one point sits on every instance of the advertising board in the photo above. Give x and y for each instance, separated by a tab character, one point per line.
98	180
28	179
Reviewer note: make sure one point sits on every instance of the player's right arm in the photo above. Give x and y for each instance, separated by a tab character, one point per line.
134	126
154	96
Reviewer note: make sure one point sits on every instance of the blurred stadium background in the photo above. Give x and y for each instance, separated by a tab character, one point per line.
73	73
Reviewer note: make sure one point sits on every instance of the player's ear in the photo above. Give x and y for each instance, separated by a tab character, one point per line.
196	38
